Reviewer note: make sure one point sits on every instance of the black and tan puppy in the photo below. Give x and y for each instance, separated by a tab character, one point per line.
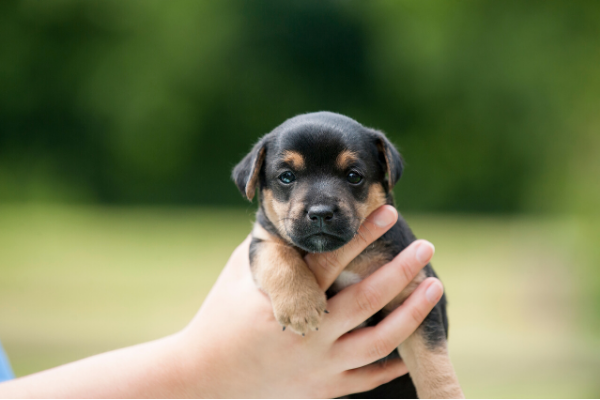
319	176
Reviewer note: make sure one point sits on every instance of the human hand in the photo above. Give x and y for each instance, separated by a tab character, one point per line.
234	347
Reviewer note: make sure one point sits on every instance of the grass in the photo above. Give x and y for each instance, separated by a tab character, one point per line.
78	281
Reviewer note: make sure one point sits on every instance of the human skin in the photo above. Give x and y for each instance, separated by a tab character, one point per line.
234	347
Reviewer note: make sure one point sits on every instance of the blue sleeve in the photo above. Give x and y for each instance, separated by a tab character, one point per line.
5	370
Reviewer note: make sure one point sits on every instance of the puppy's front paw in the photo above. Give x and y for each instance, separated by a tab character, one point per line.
300	311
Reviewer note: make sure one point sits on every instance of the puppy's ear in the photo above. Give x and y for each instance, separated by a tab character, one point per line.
246	173
390	158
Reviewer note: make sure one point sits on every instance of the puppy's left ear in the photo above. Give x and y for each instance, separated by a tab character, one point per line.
391	159
246	173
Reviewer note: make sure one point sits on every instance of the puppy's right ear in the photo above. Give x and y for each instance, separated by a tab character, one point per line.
246	173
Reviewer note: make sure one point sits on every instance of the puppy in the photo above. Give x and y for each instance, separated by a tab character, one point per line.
319	176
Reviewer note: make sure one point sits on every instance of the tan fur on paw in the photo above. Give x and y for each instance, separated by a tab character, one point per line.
300	311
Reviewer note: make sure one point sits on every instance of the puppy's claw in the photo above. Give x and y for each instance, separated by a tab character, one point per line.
326	312
316	329
302	313
303	334
283	328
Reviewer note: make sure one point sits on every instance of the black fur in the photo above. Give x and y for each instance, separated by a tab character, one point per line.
245	168
320	137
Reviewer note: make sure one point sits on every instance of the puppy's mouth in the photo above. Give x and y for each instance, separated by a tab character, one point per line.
320	242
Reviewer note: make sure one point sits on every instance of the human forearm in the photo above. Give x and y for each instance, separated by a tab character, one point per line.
151	369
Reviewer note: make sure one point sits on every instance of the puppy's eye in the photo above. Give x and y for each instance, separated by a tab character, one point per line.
354	177
287	177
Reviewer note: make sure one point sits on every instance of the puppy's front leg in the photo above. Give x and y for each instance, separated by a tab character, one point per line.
279	270
430	367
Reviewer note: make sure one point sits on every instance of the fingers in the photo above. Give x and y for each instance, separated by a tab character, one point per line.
371	376
367	345
355	304
327	266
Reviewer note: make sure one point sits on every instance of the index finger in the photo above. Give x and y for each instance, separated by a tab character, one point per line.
327	266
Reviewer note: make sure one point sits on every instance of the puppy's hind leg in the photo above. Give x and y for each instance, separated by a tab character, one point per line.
430	367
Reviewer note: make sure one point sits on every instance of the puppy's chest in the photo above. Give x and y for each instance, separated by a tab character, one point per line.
362	266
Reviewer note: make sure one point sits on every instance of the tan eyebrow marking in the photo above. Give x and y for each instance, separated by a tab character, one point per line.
293	158
345	158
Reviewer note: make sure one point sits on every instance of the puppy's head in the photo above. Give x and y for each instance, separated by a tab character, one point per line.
320	175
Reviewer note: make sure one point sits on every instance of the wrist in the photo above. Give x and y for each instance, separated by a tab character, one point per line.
194	366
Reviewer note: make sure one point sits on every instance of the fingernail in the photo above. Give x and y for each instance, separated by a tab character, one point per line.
425	252
434	292
384	217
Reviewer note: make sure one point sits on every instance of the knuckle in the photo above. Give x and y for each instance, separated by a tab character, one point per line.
380	348
417	315
335	264
406	271
368	299
367	232
327	264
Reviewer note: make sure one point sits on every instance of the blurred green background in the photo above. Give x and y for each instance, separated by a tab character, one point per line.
120	122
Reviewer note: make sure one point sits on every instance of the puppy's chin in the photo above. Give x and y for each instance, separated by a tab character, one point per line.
320	242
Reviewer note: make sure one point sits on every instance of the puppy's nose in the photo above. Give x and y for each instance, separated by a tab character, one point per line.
321	213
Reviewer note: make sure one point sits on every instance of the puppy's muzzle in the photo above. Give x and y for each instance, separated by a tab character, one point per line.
323	227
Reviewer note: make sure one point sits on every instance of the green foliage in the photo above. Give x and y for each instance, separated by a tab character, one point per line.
146	101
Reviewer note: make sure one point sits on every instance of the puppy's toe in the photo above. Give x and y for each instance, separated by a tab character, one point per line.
300	314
